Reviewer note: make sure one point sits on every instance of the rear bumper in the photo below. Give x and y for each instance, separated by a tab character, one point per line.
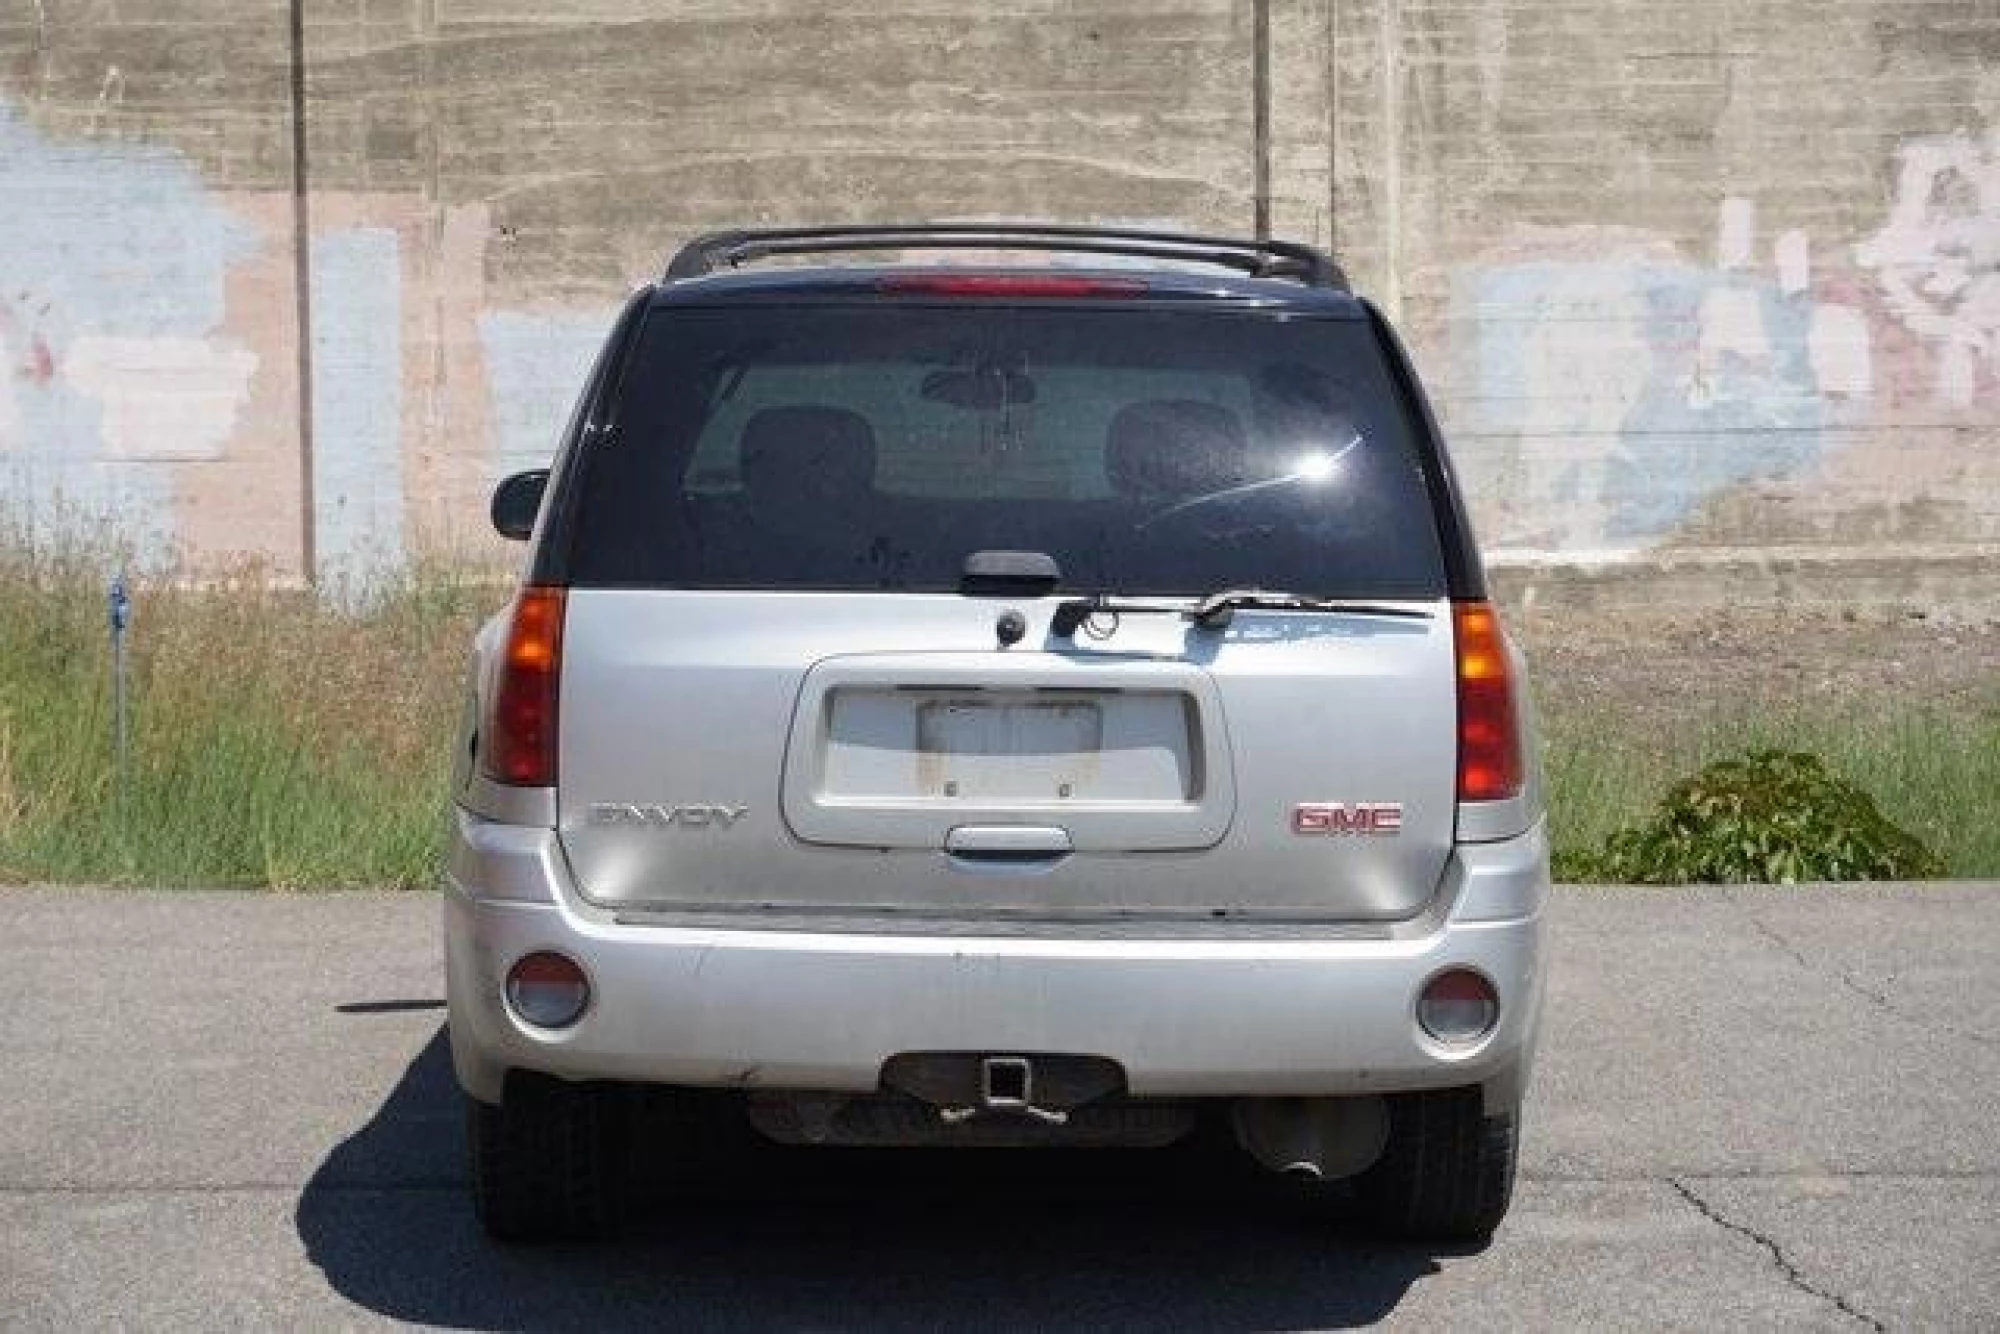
811	1010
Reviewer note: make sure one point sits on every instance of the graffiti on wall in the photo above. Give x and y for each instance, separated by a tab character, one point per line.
1604	385
1937	259
113	263
149	373
1613	384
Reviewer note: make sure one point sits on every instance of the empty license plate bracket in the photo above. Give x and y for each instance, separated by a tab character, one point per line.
976	748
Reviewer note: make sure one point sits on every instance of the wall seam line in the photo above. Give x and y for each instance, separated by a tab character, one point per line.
1260	80
302	286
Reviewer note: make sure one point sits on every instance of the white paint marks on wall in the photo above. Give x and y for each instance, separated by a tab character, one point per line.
1730	324
357	404
535	365
1792	254
1937	257
10	410
1735	233
1838	346
1585	363
1730	321
114	260
163	398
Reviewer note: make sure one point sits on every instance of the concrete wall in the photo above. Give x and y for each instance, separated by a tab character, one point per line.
1710	279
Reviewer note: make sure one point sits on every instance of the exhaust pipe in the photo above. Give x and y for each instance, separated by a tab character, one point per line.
1312	1139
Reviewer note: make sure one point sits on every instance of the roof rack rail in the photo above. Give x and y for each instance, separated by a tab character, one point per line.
1261	259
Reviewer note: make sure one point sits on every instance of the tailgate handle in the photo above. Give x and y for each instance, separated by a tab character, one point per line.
1007	842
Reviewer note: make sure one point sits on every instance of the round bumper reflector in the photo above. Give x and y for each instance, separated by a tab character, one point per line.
1458	1006
547	990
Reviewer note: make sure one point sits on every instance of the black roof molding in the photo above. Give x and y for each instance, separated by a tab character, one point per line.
718	251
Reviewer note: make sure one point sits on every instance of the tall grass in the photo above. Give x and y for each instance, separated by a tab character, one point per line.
276	739
287	741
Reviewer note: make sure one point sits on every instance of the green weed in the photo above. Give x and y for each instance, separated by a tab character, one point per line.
1772	816
1931	770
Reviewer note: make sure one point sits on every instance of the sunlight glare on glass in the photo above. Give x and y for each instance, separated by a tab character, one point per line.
1315	467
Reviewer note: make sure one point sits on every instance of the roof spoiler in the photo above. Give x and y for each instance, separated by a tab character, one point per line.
716	251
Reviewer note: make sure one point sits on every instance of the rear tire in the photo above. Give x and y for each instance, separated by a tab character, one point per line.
552	1161
1447	1171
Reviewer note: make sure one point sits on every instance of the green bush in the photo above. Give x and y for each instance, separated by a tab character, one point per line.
1772	816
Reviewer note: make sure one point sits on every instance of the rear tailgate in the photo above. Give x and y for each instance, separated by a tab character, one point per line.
732	750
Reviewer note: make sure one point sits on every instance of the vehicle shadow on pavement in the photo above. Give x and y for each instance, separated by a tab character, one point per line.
830	1239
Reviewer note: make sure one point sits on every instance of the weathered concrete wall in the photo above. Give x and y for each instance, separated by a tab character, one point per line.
1703	278
1700	275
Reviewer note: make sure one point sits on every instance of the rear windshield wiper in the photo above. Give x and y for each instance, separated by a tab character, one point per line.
1217	610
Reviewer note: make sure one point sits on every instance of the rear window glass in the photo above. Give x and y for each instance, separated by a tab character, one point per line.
877	446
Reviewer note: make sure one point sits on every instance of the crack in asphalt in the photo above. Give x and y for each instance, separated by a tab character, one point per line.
1880	1000
1770	933
1778	1257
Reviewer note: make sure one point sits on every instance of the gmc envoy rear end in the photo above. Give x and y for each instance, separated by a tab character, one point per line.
1019	704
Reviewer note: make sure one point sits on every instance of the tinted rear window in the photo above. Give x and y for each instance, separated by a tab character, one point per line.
876	446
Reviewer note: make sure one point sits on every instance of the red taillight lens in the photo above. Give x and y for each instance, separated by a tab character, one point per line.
1489	731
520	747
1009	285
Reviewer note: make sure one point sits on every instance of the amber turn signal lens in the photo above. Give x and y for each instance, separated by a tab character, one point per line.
1489	729
520	744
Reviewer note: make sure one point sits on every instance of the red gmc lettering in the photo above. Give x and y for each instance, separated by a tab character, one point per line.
1335	817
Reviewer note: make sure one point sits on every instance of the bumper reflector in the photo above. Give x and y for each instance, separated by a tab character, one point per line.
547	990
1458	1007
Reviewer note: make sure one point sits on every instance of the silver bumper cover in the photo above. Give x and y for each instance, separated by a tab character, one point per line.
793	1009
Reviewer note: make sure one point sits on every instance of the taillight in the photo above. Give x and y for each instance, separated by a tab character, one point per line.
1009	285
520	745
1489	732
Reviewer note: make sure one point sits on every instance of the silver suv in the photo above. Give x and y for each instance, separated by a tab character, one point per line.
1007	705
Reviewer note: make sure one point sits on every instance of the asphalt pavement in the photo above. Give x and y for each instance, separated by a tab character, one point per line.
1764	1107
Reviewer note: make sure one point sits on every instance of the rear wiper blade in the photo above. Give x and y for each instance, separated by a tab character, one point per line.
1217	610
